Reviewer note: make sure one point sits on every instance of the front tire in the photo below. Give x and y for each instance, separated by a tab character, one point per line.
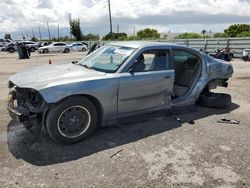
66	50
11	50
72	120
45	51
32	49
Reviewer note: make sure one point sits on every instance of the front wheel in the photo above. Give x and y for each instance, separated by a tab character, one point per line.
11	50
45	51
32	49
66	50
72	120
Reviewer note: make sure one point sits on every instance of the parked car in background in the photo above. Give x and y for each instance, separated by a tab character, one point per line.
5	41
10	47
75	47
32	46
246	55
53	47
1	46
225	54
116	81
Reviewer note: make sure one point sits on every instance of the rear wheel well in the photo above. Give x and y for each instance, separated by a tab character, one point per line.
212	84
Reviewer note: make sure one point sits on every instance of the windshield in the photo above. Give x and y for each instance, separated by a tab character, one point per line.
108	58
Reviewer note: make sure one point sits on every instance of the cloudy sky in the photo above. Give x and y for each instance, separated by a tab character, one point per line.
20	17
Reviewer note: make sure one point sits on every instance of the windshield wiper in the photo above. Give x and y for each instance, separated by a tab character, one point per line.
86	66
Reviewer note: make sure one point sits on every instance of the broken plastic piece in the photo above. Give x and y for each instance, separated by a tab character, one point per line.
228	121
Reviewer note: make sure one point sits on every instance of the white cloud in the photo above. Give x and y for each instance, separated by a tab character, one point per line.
176	15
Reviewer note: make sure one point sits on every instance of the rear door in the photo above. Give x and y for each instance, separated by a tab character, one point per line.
148	84
59	47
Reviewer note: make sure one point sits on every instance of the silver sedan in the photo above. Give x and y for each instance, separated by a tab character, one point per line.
116	81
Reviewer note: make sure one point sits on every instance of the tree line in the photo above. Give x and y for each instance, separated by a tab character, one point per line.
235	30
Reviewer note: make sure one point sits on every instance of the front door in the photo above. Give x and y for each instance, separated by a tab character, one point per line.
148	84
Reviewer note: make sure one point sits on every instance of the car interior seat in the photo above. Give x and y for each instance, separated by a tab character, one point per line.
139	64
159	62
185	76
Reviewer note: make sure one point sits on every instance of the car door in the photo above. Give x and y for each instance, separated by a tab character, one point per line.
61	47
148	84
74	47
53	47
79	47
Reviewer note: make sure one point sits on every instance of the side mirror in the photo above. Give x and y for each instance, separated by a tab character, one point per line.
131	71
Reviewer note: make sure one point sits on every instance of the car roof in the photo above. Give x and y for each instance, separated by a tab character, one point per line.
140	44
58	43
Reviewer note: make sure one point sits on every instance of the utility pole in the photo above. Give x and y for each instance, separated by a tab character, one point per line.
58	34
33	34
110	20
134	30
117	29
48	30
39	33
70	34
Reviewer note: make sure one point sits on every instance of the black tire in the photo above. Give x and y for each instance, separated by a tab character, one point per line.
45	51
215	100
66	50
59	122
84	49
11	50
32	49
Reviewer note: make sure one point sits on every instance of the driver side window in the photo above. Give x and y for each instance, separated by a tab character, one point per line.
152	60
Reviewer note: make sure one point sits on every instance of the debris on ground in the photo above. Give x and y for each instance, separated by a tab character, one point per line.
189	121
116	153
228	121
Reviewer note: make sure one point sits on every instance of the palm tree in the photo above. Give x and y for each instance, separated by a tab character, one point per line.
203	32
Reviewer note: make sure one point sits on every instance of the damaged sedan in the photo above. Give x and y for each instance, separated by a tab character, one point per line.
122	79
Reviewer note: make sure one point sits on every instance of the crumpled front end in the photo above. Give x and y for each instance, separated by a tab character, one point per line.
25	105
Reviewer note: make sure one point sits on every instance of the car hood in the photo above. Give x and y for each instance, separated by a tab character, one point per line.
52	75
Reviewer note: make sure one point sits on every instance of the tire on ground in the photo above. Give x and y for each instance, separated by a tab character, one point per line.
56	111
215	100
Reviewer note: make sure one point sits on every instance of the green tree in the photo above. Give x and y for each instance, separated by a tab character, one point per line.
244	34
7	36
220	35
133	37
75	29
236	30
34	39
203	32
91	36
115	36
148	33
188	36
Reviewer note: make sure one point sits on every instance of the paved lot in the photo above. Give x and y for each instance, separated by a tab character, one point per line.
154	152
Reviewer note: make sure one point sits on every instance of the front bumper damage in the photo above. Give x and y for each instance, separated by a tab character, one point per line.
25	106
